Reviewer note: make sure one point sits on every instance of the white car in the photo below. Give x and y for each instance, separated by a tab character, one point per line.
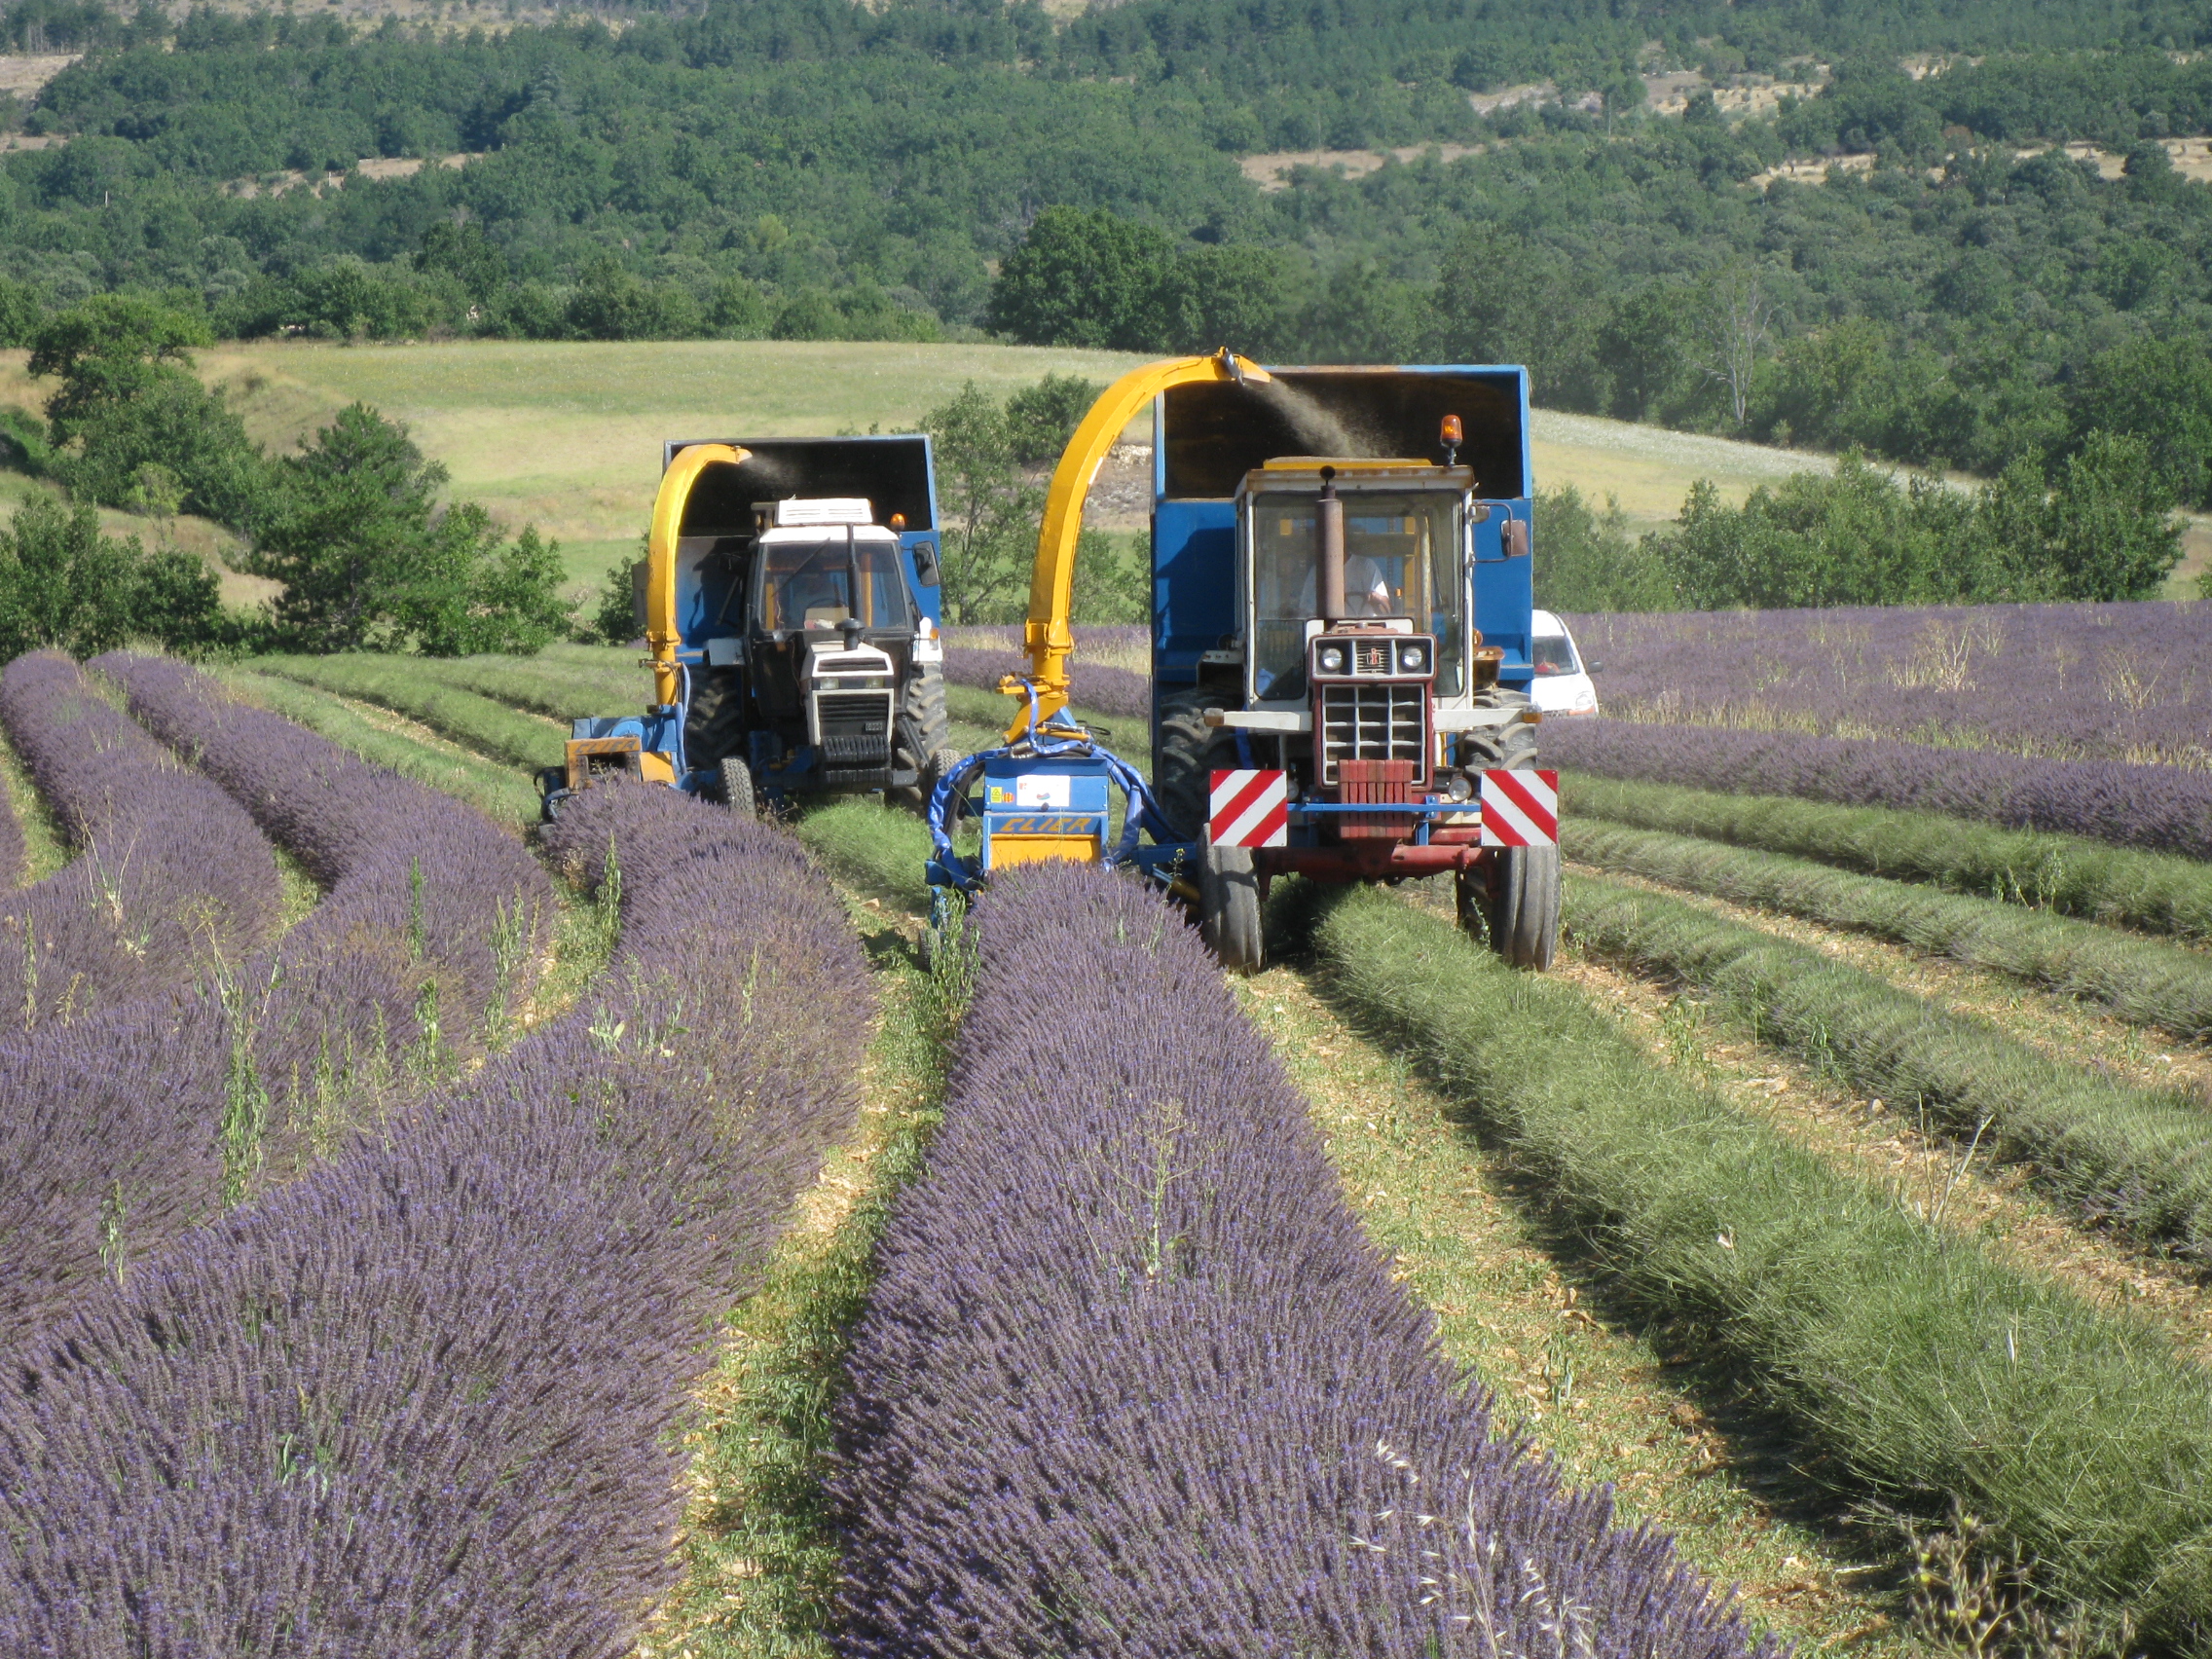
1561	684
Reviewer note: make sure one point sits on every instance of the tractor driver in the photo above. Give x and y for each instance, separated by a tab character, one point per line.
1364	583
805	596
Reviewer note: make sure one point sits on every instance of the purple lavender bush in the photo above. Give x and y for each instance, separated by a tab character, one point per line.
1095	688
425	1396
170	876
2120	682
2160	808
426	937
1133	1379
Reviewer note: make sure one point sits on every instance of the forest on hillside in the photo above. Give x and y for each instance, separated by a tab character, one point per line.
1967	295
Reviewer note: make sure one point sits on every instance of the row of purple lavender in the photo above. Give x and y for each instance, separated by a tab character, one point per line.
122	1129
2158	808
1134	1381
2064	681
169	874
421	1400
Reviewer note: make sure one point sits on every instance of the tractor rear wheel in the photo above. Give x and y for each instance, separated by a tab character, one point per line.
1518	904
1190	752
1228	907
923	729
1509	746
737	787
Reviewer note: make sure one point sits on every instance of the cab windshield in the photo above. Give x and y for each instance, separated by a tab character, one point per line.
1401	559
820	584
1553	654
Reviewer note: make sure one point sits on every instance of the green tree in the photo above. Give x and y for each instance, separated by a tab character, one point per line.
990	513
2110	532
65	584
1041	419
108	348
368	562
1088	278
1585	559
125	402
463	251
2157	390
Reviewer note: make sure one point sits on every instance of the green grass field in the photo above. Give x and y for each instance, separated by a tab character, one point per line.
568	434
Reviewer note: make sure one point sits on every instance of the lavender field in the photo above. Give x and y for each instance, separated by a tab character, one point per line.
406	1284
2123	682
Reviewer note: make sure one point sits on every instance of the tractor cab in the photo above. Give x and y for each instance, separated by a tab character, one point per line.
817	605
1359	636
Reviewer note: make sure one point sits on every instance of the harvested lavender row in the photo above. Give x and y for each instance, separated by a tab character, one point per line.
2122	681
1093	687
1133	1381
426	1395
170	875
426	937
2162	808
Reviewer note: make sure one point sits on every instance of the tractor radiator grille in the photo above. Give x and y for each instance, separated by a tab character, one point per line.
853	728
1376	783
1373	722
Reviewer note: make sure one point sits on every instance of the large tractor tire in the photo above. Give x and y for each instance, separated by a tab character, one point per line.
714	724
1518	906
1228	907
737	787
924	732
1510	745
1190	752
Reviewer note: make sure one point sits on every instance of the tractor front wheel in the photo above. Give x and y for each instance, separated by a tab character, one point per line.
1518	903
737	787
923	731
1190	752
1228	907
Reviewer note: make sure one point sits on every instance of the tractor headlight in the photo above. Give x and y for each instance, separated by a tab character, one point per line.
1457	788
1332	660
1413	659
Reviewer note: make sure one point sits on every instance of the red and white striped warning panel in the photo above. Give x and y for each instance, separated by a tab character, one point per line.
1249	809
1520	808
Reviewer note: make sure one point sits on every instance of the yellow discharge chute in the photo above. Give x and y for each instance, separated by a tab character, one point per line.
662	636
1051	582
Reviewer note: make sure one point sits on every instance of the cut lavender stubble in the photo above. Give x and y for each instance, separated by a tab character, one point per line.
428	1392
169	875
1133	1380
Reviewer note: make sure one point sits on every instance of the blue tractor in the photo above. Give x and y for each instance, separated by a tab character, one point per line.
789	598
1341	614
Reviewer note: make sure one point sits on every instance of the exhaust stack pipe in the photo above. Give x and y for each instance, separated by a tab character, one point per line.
1329	526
